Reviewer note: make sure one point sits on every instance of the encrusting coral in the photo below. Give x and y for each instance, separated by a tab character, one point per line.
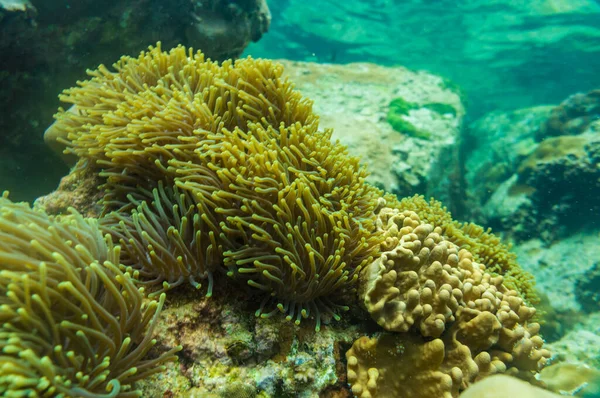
426	284
282	207
71	322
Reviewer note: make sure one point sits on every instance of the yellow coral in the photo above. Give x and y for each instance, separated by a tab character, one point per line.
400	366
165	105
417	281
424	283
486	247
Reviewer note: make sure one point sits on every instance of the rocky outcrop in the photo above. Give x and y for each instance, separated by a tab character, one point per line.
533	172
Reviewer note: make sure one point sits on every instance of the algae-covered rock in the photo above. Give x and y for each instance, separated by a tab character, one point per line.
527	186
494	146
561	267
272	358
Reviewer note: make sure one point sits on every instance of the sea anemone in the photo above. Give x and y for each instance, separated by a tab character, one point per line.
72	323
209	164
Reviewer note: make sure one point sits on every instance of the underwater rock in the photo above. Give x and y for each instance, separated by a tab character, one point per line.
564	270
554	189
558	272
581	344
586	289
572	117
78	190
355	99
223	28
494	146
48	45
545	189
501	386
229	352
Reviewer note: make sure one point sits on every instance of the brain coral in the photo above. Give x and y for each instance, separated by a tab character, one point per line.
72	324
267	194
424	283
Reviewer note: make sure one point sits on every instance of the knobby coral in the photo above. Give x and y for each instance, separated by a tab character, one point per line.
485	247
72	323
239	169
422	283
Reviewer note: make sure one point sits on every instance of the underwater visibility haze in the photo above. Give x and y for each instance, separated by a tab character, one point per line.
284	198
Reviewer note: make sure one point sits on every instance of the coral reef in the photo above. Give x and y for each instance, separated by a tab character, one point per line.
210	172
72	323
423	282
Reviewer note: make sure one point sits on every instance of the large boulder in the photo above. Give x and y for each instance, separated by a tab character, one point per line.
404	124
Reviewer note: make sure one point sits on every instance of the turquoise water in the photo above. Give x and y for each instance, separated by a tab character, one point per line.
491	108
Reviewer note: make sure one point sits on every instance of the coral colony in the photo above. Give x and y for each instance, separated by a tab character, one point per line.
219	174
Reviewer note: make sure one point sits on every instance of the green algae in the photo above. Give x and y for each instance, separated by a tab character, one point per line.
442	109
399	108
